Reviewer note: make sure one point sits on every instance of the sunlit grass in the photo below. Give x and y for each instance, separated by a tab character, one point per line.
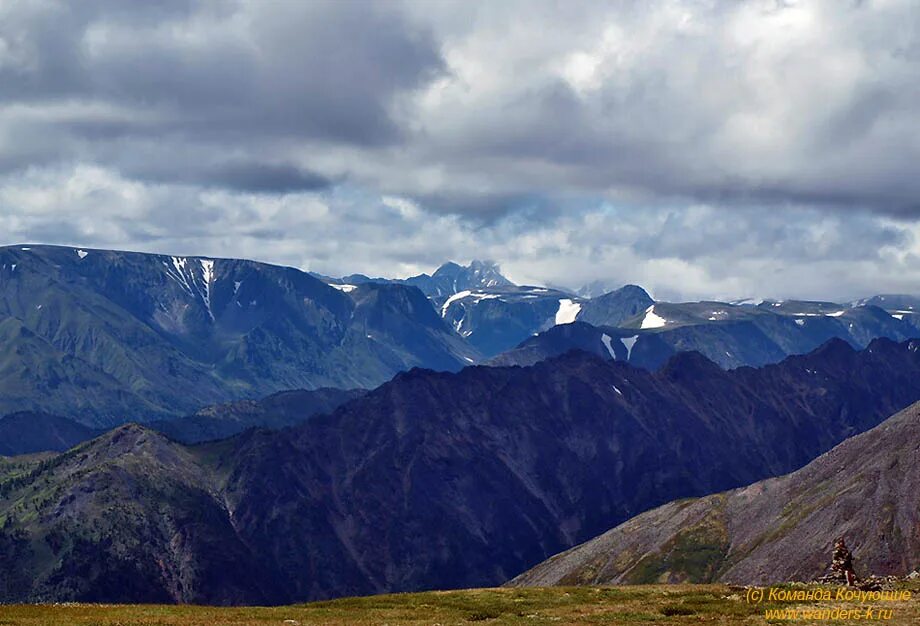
651	604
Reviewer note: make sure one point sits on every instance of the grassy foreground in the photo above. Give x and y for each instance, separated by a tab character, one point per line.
652	604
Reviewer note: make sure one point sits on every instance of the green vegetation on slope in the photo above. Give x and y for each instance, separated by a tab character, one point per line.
694	554
660	604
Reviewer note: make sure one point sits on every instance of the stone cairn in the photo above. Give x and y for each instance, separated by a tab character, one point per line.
841	571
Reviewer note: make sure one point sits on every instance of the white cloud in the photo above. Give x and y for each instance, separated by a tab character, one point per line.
678	253
699	148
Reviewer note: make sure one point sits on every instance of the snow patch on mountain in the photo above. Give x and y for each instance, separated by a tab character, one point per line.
178	272
457	296
605	339
475	297
568	311
651	320
207	273
179	264
344	288
832	314
629	342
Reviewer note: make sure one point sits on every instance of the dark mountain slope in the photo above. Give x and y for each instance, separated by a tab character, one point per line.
439	480
26	433
456	479
600	341
35	375
779	529
127	517
286	408
98	335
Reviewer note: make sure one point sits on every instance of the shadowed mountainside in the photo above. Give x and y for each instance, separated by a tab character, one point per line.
27	433
776	530
280	410
432	480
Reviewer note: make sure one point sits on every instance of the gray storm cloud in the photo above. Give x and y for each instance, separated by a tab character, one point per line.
701	148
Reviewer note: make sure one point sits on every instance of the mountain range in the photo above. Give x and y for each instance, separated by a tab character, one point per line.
776	530
306	437
506	323
729	335
102	336
432	480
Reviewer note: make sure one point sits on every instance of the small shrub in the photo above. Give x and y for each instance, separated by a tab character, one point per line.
676	609
481	616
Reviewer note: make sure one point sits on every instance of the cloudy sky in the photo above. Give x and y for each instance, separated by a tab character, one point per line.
701	149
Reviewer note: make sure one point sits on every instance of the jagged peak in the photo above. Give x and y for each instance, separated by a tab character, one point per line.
479	264
448	268
451	268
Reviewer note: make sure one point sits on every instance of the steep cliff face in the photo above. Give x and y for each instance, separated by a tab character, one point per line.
779	529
